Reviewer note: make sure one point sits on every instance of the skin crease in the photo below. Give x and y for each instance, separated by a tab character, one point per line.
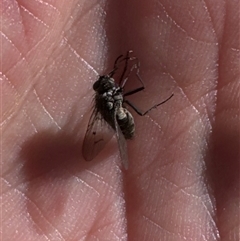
183	176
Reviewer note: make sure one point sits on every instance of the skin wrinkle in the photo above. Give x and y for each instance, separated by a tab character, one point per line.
190	12
8	184
177	136
5	118
28	53
182	89
86	229
83	182
210	216
28	117
199	230
8	170
49	5
160	227
77	20
181	189
87	11
226	110
218	36
87	185
41	40
226	84
105	184
198	199
98	228
211	204
209	91
79	180
208	212
235	50
20	104
115	235
209	16
36	93
176	191
34	17
199	97
94	227
22	58
155	123
159	131
95	174
184	189
211	94
171	19
99	214
181	29
12	43
21	19
37	43
148	166
17	63
45	110
182	131
79	57
39	212
142	171
202	42
198	112
221	112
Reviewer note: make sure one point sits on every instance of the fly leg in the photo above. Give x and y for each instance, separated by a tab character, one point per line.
137	67
115	67
131	92
127	58
141	113
118	60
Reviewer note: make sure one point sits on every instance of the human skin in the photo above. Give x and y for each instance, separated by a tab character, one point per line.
183	176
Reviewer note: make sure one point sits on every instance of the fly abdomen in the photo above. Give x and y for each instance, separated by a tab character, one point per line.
126	123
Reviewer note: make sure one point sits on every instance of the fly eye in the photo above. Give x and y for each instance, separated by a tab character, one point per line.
97	85
103	84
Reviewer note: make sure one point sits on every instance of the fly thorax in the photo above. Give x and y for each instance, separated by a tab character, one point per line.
118	97
109	105
108	94
108	99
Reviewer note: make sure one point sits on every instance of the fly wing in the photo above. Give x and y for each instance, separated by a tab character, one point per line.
98	134
122	143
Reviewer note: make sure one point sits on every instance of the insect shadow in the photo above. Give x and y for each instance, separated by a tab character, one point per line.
109	115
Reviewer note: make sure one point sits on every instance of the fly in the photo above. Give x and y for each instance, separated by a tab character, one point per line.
109	115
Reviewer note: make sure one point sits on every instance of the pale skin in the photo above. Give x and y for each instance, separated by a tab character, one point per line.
183	176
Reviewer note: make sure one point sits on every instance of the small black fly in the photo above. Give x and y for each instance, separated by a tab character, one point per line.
110	115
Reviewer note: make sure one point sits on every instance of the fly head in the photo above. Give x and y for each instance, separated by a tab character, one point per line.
104	84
